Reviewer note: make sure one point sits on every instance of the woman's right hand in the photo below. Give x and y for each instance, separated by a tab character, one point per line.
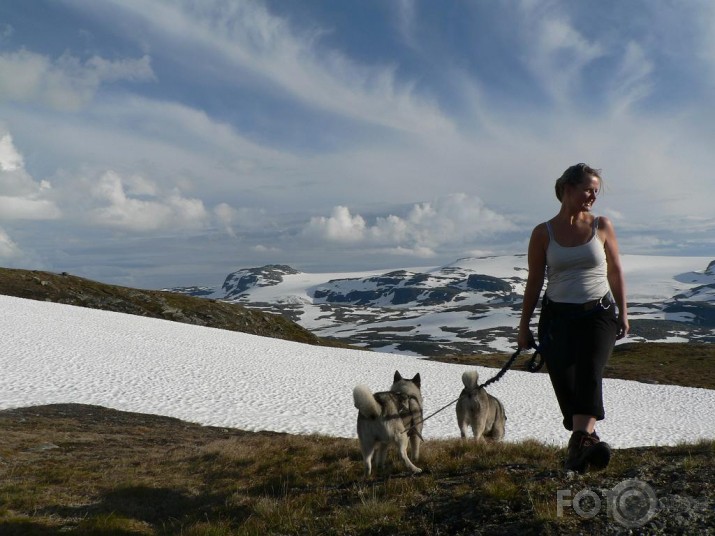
525	340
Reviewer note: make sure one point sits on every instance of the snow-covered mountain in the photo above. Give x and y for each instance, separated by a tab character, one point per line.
471	305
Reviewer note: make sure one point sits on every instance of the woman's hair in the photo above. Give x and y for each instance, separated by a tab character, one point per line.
574	176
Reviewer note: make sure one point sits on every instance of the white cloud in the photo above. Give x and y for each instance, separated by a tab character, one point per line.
260	248
101	70
21	197
66	83
140	186
175	145
10	158
631	82
19	208
406	19
341	226
264	49
449	220
557	52
230	219
455	218
225	214
420	252
9	250
118	210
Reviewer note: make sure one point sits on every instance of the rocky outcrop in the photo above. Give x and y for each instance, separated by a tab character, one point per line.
402	288
238	282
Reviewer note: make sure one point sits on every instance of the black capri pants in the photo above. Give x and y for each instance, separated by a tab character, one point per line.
576	341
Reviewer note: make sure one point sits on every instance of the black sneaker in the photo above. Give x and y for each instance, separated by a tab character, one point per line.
587	451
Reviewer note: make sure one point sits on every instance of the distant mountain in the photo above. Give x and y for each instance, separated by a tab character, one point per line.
697	304
471	305
239	283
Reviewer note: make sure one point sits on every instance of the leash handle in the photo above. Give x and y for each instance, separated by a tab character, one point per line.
537	358
533	365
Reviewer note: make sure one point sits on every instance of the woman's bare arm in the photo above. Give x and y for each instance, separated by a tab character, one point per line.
535	281
616	279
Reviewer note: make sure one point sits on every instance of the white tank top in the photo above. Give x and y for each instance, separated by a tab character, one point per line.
576	274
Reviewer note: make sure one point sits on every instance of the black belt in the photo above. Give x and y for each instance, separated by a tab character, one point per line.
604	302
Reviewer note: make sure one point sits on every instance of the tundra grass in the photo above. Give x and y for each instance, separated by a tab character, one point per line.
101	471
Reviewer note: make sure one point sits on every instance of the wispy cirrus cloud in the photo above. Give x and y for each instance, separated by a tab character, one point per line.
283	59
65	83
631	82
556	53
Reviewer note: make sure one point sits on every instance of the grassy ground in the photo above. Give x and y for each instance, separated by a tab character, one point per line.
89	470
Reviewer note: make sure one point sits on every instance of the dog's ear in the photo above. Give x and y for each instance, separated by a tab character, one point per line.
397	376
416	380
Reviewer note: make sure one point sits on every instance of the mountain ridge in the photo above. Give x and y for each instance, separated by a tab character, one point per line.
470	305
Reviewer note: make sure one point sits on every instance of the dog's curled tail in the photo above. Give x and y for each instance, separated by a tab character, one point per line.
365	402
470	379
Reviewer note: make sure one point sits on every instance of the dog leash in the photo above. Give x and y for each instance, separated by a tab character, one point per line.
534	365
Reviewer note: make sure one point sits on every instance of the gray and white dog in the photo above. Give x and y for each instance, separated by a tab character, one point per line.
393	416
480	410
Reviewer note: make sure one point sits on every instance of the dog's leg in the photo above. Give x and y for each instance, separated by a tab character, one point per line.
463	424
497	432
462	416
479	422
415	443
402	441
368	449
380	455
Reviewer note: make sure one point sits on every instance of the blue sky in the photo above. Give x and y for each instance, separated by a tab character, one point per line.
154	143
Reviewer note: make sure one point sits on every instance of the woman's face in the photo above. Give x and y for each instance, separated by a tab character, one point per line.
583	195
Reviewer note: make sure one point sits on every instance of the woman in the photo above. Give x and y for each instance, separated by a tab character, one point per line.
578	324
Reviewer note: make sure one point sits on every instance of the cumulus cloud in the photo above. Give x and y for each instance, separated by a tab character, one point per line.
10	158
260	248
66	83
230	218
341	226
21	197
225	214
151	212
427	226
9	250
